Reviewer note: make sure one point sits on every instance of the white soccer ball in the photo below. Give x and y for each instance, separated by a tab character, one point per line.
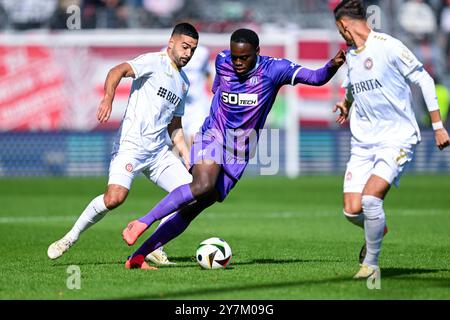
213	253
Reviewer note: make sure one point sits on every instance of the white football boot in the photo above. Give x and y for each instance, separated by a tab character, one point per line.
57	248
158	257
366	271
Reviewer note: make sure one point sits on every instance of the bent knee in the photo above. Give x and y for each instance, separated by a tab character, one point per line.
353	209
202	188
114	199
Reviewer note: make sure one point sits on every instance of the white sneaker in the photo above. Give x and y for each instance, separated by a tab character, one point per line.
158	257
57	248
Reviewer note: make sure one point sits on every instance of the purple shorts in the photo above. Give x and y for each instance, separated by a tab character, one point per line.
207	148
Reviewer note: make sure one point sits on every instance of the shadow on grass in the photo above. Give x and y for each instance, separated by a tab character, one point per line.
396	272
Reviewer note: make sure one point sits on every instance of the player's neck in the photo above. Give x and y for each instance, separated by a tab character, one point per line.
360	36
172	60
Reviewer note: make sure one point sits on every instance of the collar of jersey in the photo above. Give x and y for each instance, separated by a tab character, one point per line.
254	68
356	51
171	62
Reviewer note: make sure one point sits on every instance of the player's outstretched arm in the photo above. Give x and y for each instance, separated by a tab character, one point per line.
113	78
176	134
321	76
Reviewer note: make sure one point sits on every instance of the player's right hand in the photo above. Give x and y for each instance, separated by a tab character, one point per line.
104	111
344	109
442	139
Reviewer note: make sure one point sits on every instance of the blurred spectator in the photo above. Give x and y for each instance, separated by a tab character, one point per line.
417	18
28	14
105	14
445	27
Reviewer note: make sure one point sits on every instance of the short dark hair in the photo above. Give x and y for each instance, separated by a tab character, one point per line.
245	36
186	29
350	8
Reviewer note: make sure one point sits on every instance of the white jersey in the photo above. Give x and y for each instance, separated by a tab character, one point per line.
157	94
382	111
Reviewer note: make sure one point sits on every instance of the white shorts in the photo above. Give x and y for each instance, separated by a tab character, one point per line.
164	169
386	162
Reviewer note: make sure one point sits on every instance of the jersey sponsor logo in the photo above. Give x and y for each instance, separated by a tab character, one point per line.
368	64
240	99
169	96
365	86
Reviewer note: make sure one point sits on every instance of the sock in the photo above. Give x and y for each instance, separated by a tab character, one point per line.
93	213
356	219
175	200
166	231
163	220
374	224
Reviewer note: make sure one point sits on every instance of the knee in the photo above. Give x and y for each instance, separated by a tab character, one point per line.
201	188
114	199
352	208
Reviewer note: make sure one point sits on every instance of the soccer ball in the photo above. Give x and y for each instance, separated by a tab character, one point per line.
213	253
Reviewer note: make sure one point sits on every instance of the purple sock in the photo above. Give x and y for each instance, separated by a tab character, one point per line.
171	228
171	203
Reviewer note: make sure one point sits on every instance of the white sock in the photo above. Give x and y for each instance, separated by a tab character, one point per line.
93	213
356	219
374	224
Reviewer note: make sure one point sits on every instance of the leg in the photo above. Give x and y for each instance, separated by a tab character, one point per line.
375	220
94	212
173	175
353	208
175	225
204	180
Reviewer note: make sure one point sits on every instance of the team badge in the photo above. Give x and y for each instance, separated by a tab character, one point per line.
349	176
254	80
129	167
368	64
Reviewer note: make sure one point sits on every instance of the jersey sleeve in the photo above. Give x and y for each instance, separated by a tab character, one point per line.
143	65
403	59
179	110
284	71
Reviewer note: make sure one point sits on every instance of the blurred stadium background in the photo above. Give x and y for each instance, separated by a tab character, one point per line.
55	54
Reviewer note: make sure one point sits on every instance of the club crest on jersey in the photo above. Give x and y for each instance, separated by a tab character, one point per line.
368	64
240	99
254	80
129	167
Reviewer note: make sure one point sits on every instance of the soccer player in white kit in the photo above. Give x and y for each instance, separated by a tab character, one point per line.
155	107
382	122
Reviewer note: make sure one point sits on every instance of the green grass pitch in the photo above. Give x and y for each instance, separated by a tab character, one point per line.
289	241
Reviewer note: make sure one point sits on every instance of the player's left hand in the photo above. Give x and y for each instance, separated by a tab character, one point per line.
344	109
442	139
339	59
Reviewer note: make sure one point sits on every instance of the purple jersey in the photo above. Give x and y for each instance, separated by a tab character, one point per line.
243	102
240	107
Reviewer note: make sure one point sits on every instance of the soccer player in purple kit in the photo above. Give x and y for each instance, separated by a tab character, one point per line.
245	88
